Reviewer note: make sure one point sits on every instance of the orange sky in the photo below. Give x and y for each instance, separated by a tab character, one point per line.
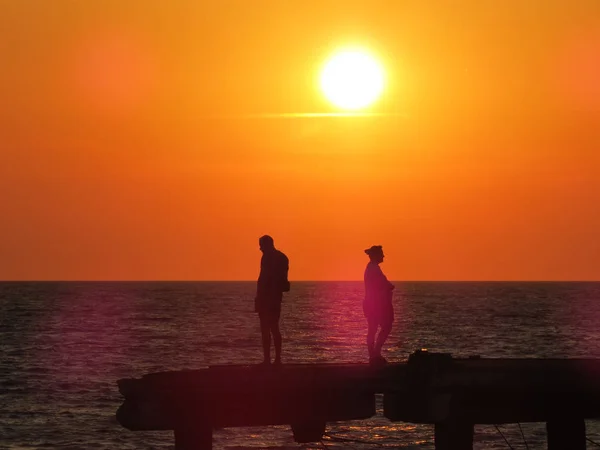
132	147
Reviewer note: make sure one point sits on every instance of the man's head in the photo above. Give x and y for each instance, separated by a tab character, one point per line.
266	243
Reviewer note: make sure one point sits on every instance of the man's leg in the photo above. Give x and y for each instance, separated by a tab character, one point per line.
266	337
276	340
275	330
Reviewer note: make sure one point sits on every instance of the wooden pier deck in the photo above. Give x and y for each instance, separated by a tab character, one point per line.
453	394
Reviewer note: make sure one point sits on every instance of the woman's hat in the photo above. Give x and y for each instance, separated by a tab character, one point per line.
374	250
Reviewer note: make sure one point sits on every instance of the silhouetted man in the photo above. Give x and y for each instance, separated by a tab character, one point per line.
272	283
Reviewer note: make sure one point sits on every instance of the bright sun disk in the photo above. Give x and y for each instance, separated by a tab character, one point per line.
352	79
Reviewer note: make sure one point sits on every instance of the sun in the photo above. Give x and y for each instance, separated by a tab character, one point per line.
352	79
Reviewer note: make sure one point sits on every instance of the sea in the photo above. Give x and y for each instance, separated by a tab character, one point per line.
64	345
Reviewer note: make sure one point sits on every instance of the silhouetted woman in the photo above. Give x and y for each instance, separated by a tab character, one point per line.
377	304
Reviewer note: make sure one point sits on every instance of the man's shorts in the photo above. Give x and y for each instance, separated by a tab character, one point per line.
269	309
269	316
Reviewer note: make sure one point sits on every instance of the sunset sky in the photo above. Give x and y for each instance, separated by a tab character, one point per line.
157	140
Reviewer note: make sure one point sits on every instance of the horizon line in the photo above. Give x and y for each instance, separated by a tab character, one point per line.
291	281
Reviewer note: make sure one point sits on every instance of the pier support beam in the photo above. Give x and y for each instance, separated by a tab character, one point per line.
309	431
454	436
566	434
193	437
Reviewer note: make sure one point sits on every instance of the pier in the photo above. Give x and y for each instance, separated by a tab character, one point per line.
453	394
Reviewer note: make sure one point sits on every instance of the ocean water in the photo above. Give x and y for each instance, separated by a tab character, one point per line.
63	346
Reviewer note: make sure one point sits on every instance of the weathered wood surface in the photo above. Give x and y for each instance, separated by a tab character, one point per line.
429	388
495	391
229	396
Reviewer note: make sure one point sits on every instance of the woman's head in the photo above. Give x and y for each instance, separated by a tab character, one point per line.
375	253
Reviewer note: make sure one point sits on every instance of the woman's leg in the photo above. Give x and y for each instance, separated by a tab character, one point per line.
386	328
371	336
382	337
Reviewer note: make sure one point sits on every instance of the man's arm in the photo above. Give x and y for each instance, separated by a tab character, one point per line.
286	268
259	284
